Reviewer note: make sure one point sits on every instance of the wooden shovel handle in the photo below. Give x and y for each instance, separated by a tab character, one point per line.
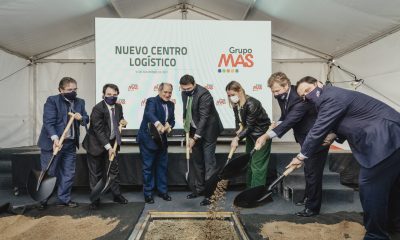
233	149
115	144
289	170
64	134
187	146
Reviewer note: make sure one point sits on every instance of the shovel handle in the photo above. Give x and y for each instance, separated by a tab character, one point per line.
289	170
233	149
64	134
187	146
115	144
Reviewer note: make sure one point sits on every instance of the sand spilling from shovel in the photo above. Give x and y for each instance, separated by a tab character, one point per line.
283	230
55	227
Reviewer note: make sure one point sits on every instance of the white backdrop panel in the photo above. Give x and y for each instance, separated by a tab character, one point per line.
203	42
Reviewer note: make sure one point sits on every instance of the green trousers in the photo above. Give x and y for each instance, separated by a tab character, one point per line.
257	170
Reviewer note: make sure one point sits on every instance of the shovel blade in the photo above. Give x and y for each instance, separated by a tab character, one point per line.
235	166
252	197
43	190
97	190
211	185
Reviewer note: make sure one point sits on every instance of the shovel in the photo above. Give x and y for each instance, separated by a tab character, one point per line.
254	196
211	183
104	183
40	185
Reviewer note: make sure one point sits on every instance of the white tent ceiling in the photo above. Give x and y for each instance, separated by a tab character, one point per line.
326	28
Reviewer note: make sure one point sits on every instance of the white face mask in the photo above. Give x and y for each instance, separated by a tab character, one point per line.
234	98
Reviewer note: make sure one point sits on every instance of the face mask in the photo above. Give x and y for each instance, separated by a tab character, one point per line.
281	97
110	100
189	93
234	98
314	95
71	96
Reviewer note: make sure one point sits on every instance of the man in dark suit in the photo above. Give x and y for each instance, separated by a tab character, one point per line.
202	121
159	111
299	116
372	130
55	118
105	119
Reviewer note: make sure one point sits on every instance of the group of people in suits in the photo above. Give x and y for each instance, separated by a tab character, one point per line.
317	114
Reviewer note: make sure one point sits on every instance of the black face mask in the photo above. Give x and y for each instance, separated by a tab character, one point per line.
110	100
71	96
189	93
281	97
313	96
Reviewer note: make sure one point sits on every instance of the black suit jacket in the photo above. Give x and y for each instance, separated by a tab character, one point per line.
100	128
204	114
298	115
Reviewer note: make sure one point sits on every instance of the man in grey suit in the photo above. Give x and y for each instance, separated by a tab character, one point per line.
372	129
204	126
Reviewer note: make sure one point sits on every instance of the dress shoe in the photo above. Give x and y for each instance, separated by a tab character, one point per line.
301	202
149	199
306	213
42	206
191	196
70	204
165	196
205	202
94	205
120	199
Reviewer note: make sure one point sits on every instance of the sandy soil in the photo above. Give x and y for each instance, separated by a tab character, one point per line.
287	231
51	227
190	229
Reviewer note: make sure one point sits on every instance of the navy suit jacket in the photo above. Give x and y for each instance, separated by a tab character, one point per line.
55	119
371	127
154	112
298	114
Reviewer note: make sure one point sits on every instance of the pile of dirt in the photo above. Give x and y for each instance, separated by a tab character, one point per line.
55	227
282	230
190	229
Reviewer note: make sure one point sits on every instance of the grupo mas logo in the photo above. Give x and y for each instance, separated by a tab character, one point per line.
257	87
220	101
209	86
133	87
235	58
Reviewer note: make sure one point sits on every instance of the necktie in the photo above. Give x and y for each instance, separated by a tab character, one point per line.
188	117
166	111
115	127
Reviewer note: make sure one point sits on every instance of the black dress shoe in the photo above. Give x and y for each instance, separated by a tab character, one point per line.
165	196
94	205
70	204
191	196
205	202
306	213
42	206
120	199
149	199
301	202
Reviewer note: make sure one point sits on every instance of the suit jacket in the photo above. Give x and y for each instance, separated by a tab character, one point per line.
55	119
371	127
297	114
255	120
204	114
154	112
100	128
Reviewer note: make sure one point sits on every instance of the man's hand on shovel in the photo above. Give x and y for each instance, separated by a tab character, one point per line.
297	162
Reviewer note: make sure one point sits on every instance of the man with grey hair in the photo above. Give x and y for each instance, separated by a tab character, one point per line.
159	111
